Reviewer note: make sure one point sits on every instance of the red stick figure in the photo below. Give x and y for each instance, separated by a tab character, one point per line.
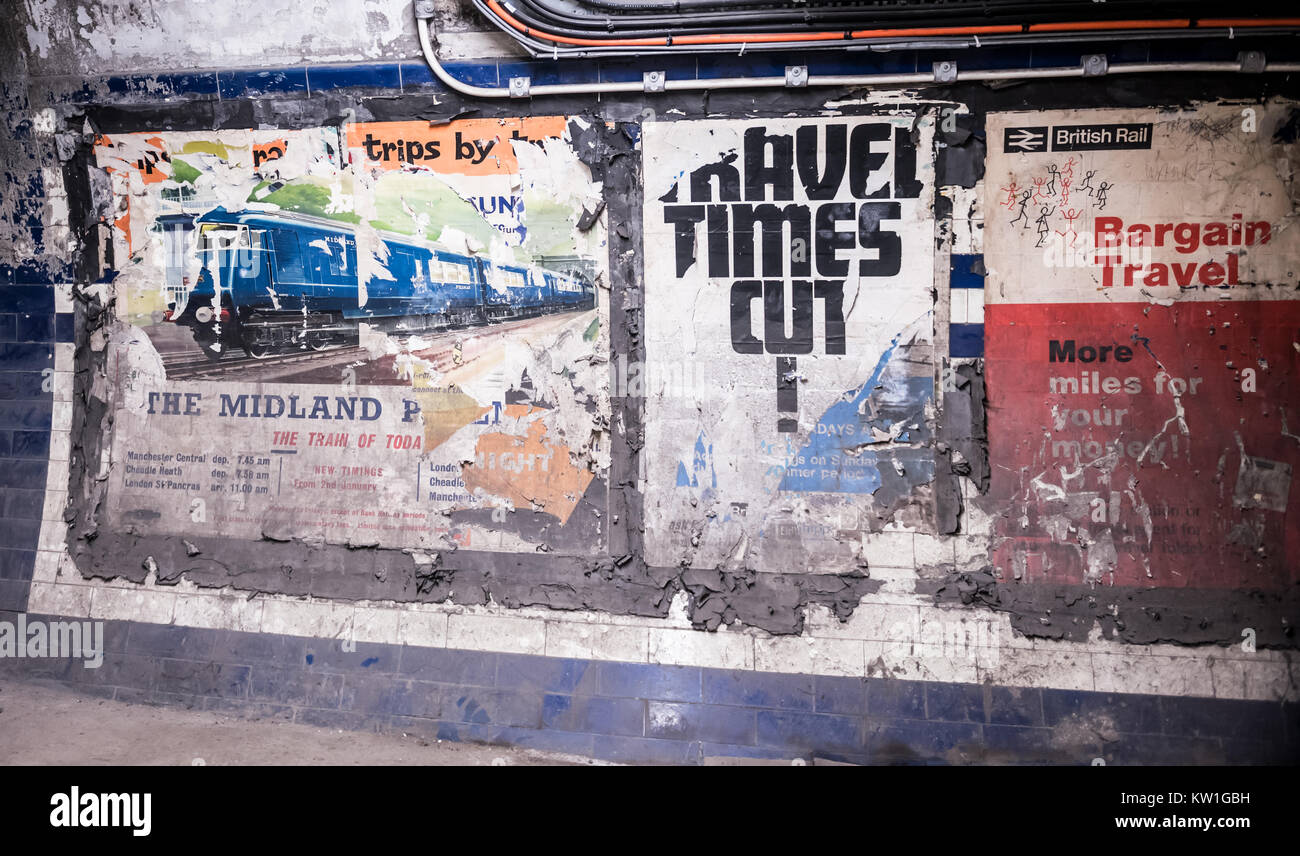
1070	216
1039	185
1011	194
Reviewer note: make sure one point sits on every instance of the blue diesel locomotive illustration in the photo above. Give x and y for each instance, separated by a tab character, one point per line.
273	282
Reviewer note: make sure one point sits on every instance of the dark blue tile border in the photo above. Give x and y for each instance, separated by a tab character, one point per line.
965	340
163	85
323	78
418	77
29	298
550	72
16	564
415	76
963	270
255	82
867	62
956	702
34	328
759	689
676	67
27	333
643	713
26	356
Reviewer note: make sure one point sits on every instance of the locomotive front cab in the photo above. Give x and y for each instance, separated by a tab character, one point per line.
231	266
174	233
306	297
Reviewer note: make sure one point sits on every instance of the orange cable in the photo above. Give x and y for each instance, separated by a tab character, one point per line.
912	32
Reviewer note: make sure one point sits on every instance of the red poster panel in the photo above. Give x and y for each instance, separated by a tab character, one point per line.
1146	445
1142	336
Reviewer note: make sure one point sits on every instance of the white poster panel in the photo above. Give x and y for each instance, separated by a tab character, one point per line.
789	372
1136	206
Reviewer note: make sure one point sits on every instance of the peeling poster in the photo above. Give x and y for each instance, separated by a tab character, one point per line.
392	336
789	366
1141	345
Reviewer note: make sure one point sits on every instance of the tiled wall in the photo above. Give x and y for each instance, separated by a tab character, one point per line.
647	713
29	327
609	686
966	292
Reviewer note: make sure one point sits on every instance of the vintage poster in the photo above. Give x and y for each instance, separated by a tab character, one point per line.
1141	344
392	335
789	317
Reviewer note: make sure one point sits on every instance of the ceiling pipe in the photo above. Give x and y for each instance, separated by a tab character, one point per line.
544	50
1094	65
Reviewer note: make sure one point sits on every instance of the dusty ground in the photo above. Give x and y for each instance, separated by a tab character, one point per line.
42	723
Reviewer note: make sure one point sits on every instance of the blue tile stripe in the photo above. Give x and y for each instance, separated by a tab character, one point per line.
965	339
324	78
28	328
963	270
253	83
415	77
659	714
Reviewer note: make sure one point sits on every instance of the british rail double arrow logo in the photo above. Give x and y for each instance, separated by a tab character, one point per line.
1025	139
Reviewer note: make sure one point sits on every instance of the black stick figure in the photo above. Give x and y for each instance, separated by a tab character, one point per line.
1051	183
1086	184
1101	194
1041	223
1024	200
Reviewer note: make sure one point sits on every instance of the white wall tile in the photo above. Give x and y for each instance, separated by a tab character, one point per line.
63	385
730	650
809	655
1140	673
960	310
53	536
46	567
320	619
869	621
61	416
51	599
1062	668
496	633
56	475
890	662
595	641
375	624
422	628
132	604
219	612
63	297
889	550
60	446
933	550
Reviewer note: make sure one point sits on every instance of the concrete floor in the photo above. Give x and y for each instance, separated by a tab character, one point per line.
45	723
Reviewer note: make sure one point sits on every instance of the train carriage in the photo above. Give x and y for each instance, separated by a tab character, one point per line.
566	292
512	291
271	281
